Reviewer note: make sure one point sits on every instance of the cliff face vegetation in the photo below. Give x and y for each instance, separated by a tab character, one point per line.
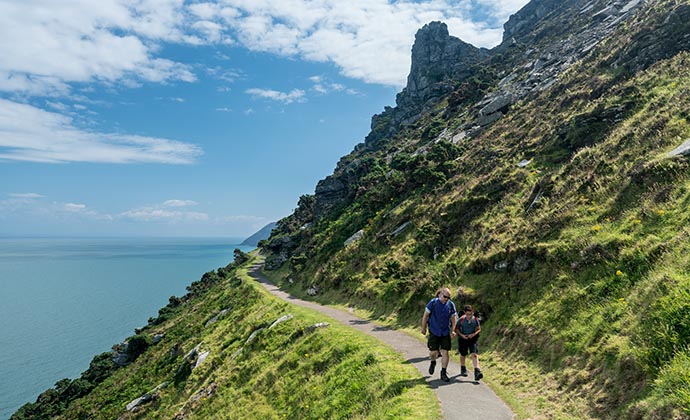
543	180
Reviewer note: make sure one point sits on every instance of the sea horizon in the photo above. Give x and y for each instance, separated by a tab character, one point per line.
66	299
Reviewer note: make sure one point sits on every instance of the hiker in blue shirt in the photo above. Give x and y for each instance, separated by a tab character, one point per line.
468	330
440	316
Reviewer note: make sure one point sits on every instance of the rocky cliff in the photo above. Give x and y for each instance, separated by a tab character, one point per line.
541	42
543	181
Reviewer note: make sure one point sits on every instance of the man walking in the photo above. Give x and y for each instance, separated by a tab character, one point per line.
440	316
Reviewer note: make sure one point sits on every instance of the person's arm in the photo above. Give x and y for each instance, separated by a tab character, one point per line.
477	330
425	321
453	323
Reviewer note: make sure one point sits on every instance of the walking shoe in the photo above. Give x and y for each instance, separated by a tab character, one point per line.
444	376
463	371
432	366
478	374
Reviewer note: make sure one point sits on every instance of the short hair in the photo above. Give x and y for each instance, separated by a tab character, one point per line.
468	307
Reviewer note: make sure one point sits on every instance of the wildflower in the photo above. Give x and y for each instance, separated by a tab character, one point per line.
306	354
660	212
637	221
596	228
608	219
622	300
619	273
591	209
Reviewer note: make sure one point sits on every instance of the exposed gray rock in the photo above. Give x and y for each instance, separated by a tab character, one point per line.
202	357
354	238
237	353
500	101
400	229
216	317
253	336
204	393
501	266
437	59
313	290
521	264
312	328
488	119
134	405
524	162
329	192
157	338
192	353
459	137
683	150
280	320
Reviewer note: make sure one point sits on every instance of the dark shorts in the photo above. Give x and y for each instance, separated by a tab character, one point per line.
434	342
466	347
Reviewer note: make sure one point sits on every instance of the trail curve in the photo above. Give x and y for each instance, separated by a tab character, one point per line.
461	399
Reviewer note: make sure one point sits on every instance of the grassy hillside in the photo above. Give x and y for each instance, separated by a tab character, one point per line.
291	370
579	260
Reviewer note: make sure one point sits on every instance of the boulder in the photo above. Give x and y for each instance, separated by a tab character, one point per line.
202	357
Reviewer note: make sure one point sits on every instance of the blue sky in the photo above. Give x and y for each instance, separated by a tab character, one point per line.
195	118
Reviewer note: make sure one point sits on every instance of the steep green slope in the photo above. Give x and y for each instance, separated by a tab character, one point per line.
266	359
564	221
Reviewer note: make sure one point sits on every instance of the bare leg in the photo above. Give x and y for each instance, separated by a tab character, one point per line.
445	358
475	360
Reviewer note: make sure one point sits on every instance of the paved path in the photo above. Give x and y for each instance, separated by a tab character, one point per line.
461	398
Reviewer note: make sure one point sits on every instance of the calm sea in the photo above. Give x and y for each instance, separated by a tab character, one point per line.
62	301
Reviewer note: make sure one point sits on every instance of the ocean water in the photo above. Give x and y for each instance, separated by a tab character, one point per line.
63	301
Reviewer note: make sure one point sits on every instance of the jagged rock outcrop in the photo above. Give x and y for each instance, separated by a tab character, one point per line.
541	42
439	62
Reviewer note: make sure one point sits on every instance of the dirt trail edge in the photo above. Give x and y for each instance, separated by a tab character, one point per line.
460	399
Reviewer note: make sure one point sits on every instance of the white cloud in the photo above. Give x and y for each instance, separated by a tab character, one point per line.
25	206
179	203
295	95
34	135
369	40
324	86
164	212
74	207
155	214
47	45
26	195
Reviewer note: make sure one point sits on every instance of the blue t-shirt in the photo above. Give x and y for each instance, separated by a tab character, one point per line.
439	316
